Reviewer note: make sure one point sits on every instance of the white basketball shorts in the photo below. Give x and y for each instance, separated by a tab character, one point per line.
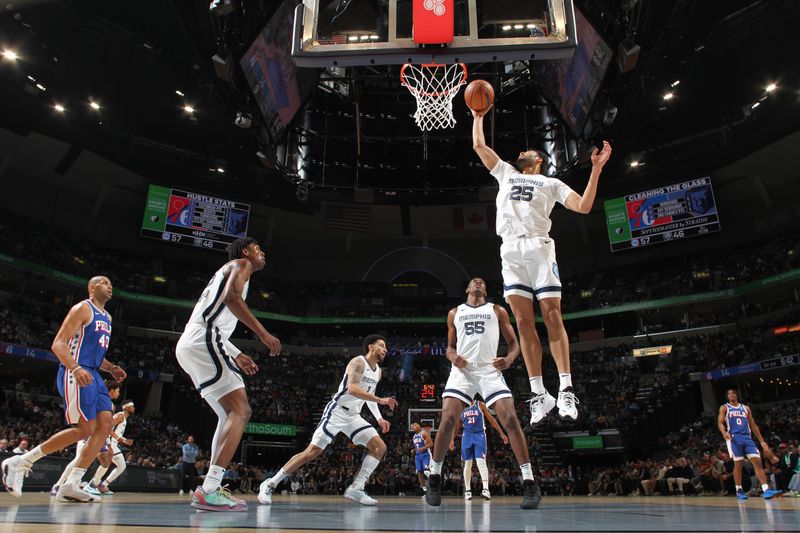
530	268
465	383
208	359
337	420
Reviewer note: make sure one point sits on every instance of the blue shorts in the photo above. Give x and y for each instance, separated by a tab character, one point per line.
423	461
740	446
473	446
82	403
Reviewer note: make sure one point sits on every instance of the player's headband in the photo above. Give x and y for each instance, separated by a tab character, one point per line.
129	404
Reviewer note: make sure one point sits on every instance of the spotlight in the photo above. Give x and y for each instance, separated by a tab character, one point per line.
243	120
675	83
755	105
189	109
221	170
221	7
179	93
668	96
771	87
636	163
507	27
530	26
352	38
94	105
11	55
518	26
60	108
41	87
373	37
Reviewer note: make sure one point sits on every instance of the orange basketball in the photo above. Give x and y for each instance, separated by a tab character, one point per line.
479	95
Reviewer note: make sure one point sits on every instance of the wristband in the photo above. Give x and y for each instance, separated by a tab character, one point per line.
77	367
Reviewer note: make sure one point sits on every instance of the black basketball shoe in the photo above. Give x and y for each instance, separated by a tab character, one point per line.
531	495
434	495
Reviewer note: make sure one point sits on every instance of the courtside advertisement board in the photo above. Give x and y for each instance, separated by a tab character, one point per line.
193	219
669	213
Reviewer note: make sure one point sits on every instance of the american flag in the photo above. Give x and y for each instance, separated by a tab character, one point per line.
336	38
348	218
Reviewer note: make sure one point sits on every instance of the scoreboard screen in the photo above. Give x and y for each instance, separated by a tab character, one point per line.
664	214
193	219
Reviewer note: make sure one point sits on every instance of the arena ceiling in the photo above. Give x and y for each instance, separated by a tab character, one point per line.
143	63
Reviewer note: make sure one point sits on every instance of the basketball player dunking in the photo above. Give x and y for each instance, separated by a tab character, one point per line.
473	444
423	444
737	425
216	366
343	415
473	333
80	346
117	457
524	202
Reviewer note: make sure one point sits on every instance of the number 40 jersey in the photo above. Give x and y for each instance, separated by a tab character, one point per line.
477	332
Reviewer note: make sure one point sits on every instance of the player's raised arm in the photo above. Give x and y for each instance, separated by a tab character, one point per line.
502	363
488	156
78	316
583	203
723	412
232	295
452	341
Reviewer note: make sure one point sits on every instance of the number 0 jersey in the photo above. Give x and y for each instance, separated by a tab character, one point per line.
211	311
524	201
738	423
477	333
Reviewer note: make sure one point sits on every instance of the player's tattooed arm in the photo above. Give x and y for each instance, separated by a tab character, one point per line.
723	412
355	371
452	340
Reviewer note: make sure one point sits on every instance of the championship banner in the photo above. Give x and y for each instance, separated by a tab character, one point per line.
665	214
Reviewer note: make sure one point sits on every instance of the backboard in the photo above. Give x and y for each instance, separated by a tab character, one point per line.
381	32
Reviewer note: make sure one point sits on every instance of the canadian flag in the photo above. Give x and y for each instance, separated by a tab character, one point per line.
476	217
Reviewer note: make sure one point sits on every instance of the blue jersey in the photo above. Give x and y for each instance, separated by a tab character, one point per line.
88	346
419	444
472	419
738	423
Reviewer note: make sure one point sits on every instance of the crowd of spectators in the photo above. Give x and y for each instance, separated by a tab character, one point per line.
710	271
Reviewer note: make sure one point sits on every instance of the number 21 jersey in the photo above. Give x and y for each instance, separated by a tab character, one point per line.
477	333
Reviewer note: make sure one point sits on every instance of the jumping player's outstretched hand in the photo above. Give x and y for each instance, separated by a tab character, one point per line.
476	114
385	425
501	363
118	373
272	342
390	402
246	364
601	158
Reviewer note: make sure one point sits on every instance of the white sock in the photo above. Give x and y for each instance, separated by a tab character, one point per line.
484	470
213	479
367	467
98	475
76	476
275	480
527	471
565	380
468	474
739	487
33	455
537	385
765	487
436	468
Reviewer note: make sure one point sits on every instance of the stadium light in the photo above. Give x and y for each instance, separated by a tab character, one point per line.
507	27
771	87
668	96
675	83
11	55
189	109
518	26
94	105
179	93
60	108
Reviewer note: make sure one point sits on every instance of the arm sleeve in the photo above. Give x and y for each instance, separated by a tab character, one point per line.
501	171
231	350
373	408
560	191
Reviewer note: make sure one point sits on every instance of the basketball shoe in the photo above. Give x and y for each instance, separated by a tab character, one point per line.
434	495
467	495
531	495
219	500
70	492
15	470
486	495
265	493
540	405
359	496
567	404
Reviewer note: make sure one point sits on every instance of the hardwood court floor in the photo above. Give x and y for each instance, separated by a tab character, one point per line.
34	513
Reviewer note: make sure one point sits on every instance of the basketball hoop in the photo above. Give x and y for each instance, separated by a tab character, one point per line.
434	86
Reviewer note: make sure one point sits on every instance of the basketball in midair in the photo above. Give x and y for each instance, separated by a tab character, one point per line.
479	95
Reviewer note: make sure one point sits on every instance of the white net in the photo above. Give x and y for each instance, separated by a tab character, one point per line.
434	87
